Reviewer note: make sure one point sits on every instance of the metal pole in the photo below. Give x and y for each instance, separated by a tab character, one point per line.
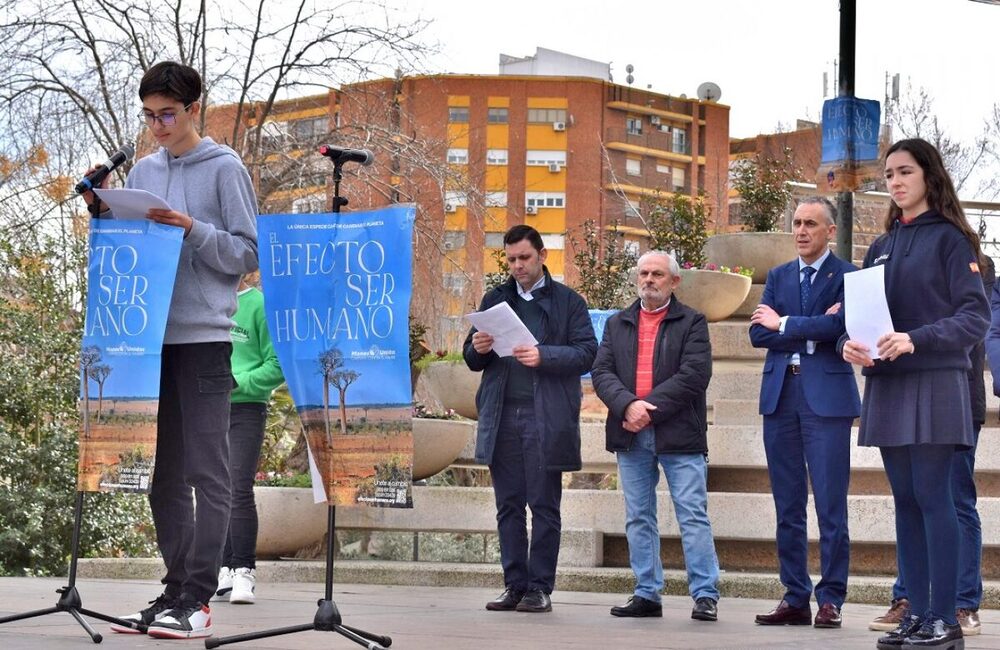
845	200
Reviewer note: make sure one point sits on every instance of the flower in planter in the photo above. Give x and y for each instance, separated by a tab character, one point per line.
738	270
421	411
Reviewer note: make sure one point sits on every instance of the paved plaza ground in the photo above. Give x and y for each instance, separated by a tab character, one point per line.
437	618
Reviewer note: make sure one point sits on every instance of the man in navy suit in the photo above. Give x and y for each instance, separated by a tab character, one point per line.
809	399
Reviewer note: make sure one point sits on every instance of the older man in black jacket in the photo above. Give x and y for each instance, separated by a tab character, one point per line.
652	371
529	417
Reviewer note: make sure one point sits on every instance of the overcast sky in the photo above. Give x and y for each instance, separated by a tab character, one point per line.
768	56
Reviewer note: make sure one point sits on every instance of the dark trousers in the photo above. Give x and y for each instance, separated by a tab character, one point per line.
801	446
246	435
519	480
926	525
192	452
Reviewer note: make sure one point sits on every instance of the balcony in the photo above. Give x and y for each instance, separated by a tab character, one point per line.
651	142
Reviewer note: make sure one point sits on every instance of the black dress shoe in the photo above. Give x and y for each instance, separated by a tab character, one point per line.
935	633
785	614
705	609
505	602
638	607
894	639
535	601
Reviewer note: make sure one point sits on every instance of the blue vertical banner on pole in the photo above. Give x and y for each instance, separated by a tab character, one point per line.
130	281
336	295
850	149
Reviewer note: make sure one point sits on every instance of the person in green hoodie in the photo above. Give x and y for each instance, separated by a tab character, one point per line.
256	368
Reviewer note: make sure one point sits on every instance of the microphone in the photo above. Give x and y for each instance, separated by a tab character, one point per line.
117	159
341	155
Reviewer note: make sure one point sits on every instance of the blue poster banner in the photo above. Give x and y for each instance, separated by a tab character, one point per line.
337	294
130	280
850	130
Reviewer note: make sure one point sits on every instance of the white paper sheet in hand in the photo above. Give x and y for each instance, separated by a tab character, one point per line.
131	204
867	312
504	326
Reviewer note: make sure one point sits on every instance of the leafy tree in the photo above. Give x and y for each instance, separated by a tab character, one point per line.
678	223
605	264
762	183
99	373
494	279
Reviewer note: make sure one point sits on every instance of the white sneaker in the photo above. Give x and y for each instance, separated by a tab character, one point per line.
140	620
244	581
189	620
225	584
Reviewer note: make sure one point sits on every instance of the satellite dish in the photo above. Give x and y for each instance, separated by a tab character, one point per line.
709	92
629	68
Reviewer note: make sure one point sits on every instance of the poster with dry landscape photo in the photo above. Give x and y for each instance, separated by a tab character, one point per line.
130	280
336	295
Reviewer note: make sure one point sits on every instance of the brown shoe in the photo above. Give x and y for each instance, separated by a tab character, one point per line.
969	620
891	619
785	614
828	616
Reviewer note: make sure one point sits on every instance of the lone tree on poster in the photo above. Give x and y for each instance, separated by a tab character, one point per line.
99	373
89	356
342	379
330	363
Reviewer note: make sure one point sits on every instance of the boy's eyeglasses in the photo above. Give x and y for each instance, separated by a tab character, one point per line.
165	119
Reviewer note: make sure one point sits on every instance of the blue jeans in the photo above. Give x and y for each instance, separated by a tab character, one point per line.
970	541
687	476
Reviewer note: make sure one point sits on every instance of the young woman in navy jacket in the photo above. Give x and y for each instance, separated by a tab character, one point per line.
916	405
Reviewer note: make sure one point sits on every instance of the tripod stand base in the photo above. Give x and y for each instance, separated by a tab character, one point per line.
71	603
327	619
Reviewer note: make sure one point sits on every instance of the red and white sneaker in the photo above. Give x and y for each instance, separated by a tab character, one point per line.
157	609
188	620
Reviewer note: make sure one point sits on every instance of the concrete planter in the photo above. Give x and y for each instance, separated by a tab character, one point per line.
454	385
761	250
713	293
288	520
437	443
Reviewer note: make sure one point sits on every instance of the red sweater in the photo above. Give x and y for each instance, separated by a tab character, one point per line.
649	324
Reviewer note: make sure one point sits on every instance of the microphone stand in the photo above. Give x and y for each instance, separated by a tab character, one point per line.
327	618
69	599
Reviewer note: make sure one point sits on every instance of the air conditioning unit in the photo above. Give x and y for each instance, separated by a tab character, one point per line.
449	207
449	245
531	210
558	126
554	167
654	119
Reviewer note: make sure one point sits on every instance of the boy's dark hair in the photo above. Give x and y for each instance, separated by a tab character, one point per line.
177	81
517	233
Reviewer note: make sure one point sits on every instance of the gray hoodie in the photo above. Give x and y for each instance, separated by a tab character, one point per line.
210	184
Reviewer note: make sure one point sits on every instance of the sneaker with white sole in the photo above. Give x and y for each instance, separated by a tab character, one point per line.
188	620
244	582
157	609
225	584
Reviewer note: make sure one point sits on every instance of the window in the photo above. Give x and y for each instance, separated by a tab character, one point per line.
544	158
307	204
633	209
496	115
677	178
633	125
495	199
458	114
494	240
496	156
454	282
455	198
273	136
662	168
680	140
545	199
546	115
633	166
458	156
310	129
